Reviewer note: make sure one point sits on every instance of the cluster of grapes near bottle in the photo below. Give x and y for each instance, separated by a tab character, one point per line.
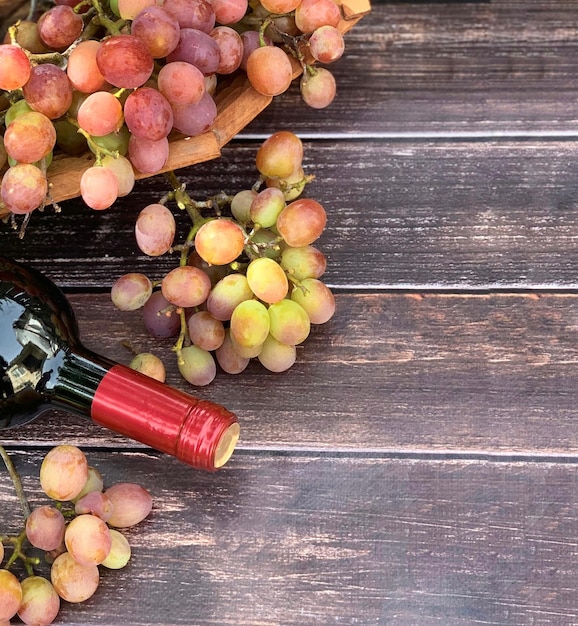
97	96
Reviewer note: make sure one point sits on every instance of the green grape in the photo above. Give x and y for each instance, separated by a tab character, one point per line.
131	503
149	365
94	482
64	472
120	551
241	205
131	291
18	108
124	171
292	186
265	242
290	323
227	294
114	142
10	594
246	352
267	206
40	602
73	581
250	323
267	280
197	366
316	299
68	139
87	539
277	356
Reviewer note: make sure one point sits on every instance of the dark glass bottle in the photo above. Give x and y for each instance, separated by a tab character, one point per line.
44	365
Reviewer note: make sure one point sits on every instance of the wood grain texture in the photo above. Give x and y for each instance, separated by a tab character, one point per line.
275	540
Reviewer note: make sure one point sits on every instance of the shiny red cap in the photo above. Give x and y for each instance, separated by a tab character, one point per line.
198	432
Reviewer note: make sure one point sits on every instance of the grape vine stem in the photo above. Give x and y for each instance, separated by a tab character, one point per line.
15	481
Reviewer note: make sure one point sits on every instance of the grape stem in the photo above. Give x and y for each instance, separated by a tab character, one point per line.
18	553
14	476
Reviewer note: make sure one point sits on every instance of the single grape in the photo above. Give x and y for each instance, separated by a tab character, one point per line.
251	41
230	48
301	222
219	241
148	114
14	67
59	27
311	14
281	26
289	323
24	188
280	155
124	61
130	9
197	14
87	539
99	187
196	118
157	29
267	280
319	88
269	70
94	503
181	83
40	602
45	528
197	366
304	262
316	299
149	365
197	48
229	11
115	142
82	69
245	352
276	356
160	318
205	331
241	205
267	206
10	594
280	6
18	108
155	229
186	286
229	292
326	44
148	157
228	358
27	37
100	114
265	243
30	137
120	551
68	139
292	186
63	472
250	323
94	482
124	172
131	504
48	90
72	581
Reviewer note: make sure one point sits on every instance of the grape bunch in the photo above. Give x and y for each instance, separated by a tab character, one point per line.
120	78
247	284
78	532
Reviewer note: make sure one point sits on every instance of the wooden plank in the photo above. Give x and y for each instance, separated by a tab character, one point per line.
275	540
472	375
421	214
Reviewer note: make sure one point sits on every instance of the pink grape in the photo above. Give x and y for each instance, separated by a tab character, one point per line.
326	44
148	157
73	581
131	504
94	482
45	528
148	114
149	365
82	70
100	114
94	503
87	539
229	11
205	331
304	262
269	70
155	229
197	14
124	61
59	27
227	294
48	90
124	172
40	602
318	89
30	137
316	299
24	188
181	83
197	48
186	286
228	358
10	594
99	187
196	118
289	323
120	551
302	222
311	14
250	323
230	48
14	67
279	155
63	472
160	318
267	206
197	366
157	29
219	241
267	280
276	356
131	291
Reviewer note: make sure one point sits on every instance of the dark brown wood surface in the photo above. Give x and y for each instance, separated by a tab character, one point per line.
418	464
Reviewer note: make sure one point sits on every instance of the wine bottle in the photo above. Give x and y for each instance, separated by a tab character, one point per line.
44	365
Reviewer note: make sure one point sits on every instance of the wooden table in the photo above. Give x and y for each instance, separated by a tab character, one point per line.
419	464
